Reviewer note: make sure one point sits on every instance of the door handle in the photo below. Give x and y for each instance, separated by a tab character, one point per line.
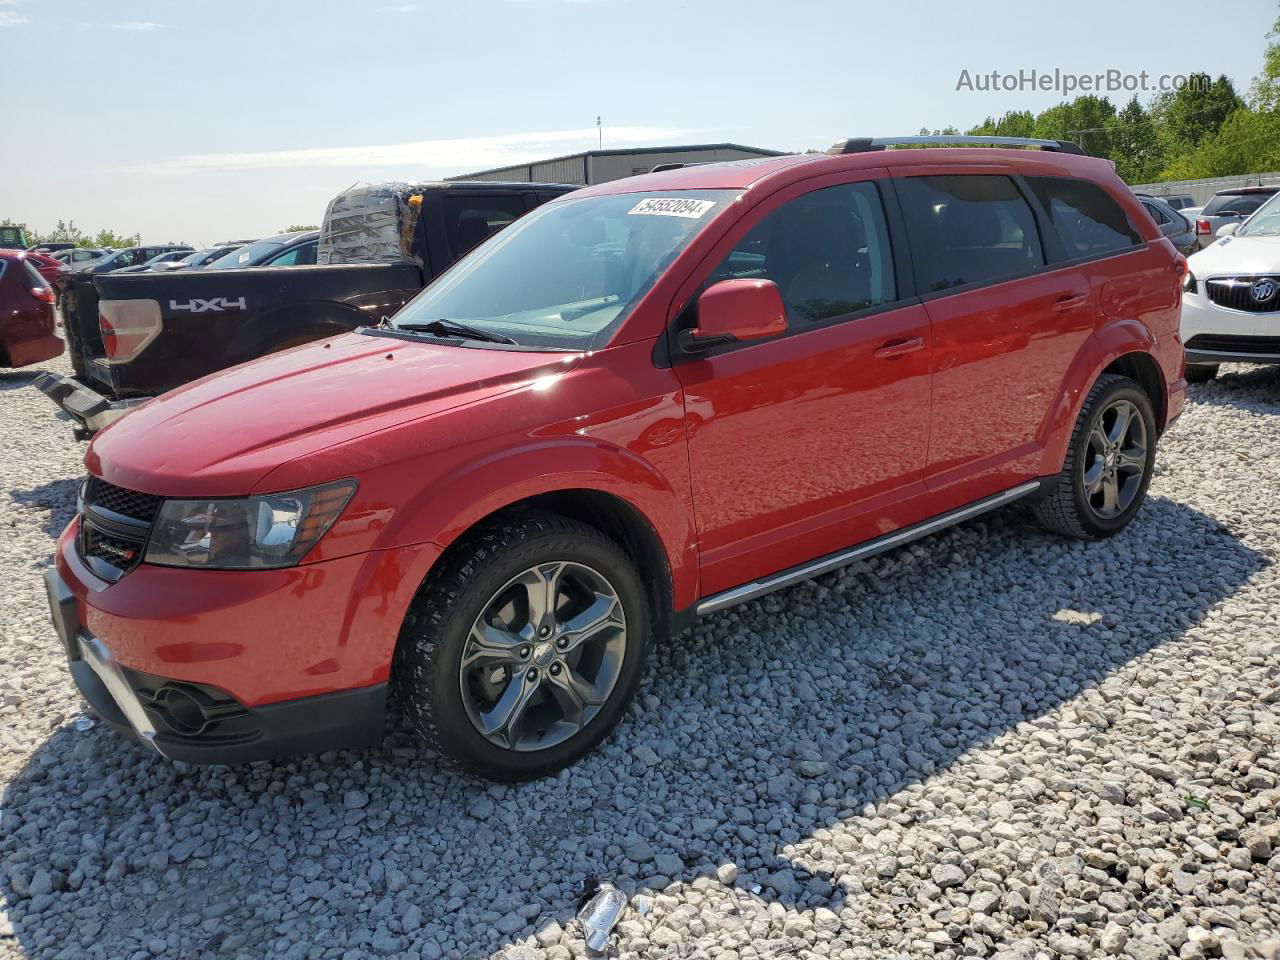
896	348
1070	301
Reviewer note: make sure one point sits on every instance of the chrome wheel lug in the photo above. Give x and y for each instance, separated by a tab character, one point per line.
555	669
532	675
524	652
544	632
562	642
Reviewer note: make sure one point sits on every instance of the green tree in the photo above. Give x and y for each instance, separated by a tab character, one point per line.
299	227
1264	95
1135	146
1198	110
1249	142
109	238
66	231
1015	123
1083	120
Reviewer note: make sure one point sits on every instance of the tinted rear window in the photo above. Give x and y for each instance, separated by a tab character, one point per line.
968	229
469	221
1243	204
33	275
1088	219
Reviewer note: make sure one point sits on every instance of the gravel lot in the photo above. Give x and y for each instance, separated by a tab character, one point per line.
993	743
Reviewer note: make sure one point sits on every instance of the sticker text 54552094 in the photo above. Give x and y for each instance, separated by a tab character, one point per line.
672	207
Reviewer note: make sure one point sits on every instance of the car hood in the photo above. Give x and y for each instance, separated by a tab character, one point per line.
221	435
1237	255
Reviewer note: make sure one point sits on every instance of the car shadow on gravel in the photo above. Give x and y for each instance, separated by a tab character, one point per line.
1246	387
17	379
758	740
56	496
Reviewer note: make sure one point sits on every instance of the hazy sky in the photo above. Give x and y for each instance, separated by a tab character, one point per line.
200	120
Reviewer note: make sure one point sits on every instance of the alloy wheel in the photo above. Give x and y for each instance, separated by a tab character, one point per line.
1115	459
543	657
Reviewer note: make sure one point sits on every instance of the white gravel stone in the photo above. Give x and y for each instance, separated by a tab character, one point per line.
980	745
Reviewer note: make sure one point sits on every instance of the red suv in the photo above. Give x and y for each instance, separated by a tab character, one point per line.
644	401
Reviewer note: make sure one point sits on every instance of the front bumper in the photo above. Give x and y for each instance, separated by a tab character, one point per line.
89	409
1214	334
197	723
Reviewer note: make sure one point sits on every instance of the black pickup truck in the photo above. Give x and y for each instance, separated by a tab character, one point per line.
134	336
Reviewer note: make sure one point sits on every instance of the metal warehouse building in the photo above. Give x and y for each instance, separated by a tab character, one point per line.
601	166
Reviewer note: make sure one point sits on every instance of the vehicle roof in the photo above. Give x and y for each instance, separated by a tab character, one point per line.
1242	191
285	237
499	185
778	171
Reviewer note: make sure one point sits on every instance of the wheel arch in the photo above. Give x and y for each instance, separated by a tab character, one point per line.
1143	370
618	519
1126	347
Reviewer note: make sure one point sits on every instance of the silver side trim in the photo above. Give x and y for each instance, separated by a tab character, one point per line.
101	661
787	578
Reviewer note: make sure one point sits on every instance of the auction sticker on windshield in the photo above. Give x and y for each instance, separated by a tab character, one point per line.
671	207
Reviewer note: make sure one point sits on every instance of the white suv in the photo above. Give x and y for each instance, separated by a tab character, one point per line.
1231	297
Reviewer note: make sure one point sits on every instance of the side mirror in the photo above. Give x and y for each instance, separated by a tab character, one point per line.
734	310
1227	229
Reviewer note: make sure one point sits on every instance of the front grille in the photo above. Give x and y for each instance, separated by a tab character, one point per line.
117	551
115	527
1238	293
127	503
1227	343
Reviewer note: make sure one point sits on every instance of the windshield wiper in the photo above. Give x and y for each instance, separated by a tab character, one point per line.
452	328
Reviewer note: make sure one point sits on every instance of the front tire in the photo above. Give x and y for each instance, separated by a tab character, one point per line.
1201	372
521	652
1108	465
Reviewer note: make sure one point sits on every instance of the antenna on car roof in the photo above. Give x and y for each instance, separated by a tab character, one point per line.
869	144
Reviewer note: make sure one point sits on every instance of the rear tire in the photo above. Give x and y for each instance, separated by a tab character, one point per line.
520	653
1108	466
1201	372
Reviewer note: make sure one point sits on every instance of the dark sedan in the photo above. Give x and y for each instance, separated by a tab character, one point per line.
1180	231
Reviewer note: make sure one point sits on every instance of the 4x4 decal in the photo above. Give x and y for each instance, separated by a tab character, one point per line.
217	304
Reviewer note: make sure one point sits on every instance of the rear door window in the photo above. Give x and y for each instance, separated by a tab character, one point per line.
1156	213
967	229
827	251
1089	221
469	221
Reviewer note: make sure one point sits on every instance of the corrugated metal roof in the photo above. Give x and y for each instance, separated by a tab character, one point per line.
635	151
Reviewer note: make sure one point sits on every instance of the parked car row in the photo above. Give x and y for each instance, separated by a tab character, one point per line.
135	336
638	403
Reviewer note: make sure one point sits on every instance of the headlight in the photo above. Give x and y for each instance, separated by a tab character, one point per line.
1188	283
273	530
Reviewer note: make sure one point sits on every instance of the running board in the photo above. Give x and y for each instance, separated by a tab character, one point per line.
833	561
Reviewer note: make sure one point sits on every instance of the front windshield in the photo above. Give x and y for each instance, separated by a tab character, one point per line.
567	274
1264	223
246	255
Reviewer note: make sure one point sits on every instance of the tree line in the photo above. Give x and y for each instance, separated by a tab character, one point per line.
66	231
1206	129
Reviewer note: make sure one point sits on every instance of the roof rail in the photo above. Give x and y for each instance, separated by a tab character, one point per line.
868	144
662	167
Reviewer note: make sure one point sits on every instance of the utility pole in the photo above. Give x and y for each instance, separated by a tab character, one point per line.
599	133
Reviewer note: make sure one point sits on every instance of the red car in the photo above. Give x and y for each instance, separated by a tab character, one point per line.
26	313
645	401
47	267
